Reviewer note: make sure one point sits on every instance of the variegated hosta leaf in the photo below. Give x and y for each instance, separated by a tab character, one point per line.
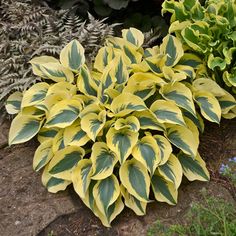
63	114
182	138
231	114
133	36
32	111
121	142
131	55
45	134
171	47
81	177
197	120
180	94
227	102
172	171
190	59
164	190
125	103
96	76
209	105
147	152
104	56
35	94
131	122
89	200
57	72
64	161
167	112
23	128
172	75
64	88
194	129
140	90
53	184
187	70
51	100
108	80
42	155
120	71
164	147
37	61
128	50
106	192
148	120
86	99
58	141
93	123
208	85
145	79
91	108
134	176
133	203
13	103
109	95
194	168
154	64
85	83
74	135
117	42
72	56
113	210
103	160
149	52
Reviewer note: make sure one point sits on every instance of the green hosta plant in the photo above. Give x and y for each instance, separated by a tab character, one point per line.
121	128
210	31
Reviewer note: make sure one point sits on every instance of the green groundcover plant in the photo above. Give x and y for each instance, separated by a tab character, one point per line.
122	127
211	216
209	31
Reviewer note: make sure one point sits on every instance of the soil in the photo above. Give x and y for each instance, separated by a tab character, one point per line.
28	209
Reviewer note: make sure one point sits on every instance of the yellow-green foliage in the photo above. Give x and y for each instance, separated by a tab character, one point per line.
210	31
110	130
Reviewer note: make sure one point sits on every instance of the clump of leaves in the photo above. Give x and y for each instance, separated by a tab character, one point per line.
28	29
210	31
102	7
211	216
124	127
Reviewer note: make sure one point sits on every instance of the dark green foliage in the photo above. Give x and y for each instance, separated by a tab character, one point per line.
141	14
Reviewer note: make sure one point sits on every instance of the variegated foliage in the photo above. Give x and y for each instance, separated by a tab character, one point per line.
210	31
128	126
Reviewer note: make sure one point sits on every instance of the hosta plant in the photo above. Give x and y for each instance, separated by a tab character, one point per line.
119	129
210	31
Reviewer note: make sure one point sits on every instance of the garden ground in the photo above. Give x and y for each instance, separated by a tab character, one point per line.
28	209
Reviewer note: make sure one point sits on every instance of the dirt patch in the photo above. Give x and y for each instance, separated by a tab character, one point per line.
28	209
217	145
26	206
